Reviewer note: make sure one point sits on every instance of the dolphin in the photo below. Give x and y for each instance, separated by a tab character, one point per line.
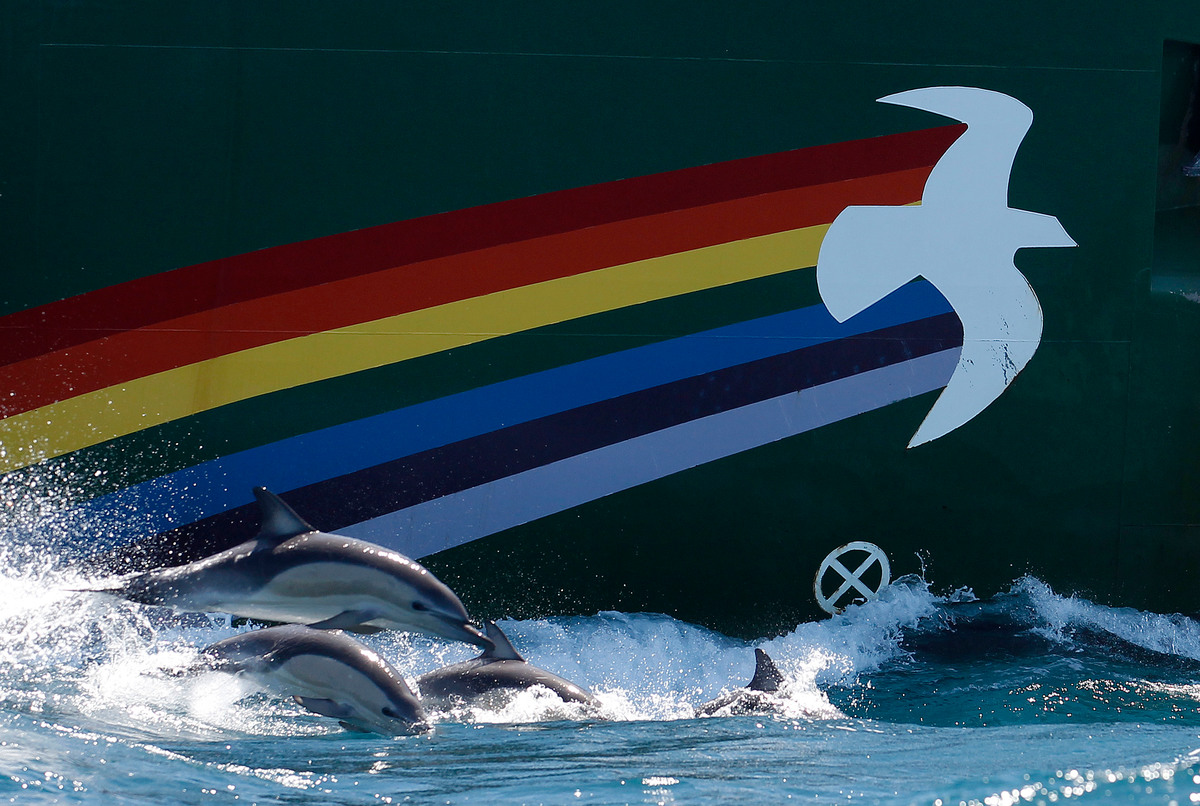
294	574
499	671
757	697
329	673
962	239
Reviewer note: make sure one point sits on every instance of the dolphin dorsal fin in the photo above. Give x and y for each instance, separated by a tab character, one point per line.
503	649
279	521
766	675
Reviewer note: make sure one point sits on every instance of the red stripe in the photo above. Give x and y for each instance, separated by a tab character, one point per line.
190	290
124	356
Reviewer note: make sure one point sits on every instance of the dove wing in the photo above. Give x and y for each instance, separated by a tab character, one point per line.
975	170
867	253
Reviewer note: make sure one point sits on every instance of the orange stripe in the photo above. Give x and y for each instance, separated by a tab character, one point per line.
115	411
122	357
276	270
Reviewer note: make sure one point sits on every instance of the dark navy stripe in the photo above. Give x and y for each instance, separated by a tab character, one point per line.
452	520
444	470
222	484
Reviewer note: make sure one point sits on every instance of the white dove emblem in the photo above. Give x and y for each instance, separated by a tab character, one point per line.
961	238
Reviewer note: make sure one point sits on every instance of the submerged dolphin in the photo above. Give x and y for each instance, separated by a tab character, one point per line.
295	574
757	697
497	672
962	239
329	673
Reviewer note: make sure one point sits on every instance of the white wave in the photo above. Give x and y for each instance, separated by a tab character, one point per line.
106	655
653	667
101	657
1172	634
536	704
864	636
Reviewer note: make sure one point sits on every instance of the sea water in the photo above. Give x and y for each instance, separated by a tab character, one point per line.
922	696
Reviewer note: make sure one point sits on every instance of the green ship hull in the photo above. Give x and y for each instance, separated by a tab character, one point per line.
588	308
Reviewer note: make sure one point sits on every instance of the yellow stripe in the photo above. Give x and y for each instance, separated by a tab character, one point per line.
116	411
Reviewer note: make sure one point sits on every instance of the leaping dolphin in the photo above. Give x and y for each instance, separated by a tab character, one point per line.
498	672
758	696
329	673
962	239
292	573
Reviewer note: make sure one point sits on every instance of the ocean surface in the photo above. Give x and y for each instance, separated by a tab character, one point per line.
919	697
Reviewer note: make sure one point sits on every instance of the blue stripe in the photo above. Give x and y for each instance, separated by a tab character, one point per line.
452	520
211	487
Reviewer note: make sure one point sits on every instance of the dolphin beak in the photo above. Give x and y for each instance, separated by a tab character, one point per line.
459	629
478	638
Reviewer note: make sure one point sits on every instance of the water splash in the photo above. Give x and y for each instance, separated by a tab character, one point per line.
88	695
97	657
1063	616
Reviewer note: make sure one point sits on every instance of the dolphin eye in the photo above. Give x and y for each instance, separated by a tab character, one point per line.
389	711
419	606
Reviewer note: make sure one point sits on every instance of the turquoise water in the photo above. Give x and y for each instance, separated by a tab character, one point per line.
919	697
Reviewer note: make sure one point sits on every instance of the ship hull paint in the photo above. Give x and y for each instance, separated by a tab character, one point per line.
458	282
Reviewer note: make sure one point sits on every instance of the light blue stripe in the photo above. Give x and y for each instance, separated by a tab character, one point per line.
452	520
211	487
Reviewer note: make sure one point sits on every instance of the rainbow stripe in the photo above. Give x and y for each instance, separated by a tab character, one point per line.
113	365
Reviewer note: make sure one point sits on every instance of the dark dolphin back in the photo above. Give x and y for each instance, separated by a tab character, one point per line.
279	521
273	646
478	678
501	669
251	565
503	648
766	675
246	565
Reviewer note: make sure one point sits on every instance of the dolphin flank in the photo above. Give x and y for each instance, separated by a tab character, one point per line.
328	673
498	672
294	574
